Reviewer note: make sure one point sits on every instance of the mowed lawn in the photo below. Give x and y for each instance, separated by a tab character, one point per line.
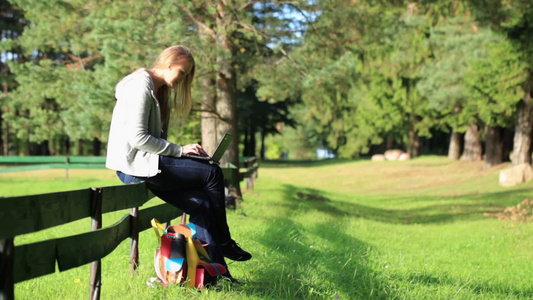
332	230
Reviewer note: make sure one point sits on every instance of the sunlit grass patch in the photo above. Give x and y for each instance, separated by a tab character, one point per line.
340	230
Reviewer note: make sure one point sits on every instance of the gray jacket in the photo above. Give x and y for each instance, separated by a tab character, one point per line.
135	141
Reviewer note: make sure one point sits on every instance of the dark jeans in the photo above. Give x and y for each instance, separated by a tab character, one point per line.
197	188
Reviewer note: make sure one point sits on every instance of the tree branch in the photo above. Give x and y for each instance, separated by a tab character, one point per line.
245	5
211	112
253	30
203	28
297	65
81	62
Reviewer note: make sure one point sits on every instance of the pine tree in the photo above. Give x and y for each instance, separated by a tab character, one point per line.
513	20
81	49
495	86
454	42
12	23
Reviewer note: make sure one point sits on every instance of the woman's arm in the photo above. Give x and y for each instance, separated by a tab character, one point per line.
138	104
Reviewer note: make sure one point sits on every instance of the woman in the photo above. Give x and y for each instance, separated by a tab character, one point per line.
138	149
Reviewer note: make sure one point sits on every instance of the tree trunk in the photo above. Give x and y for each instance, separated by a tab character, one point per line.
413	148
66	146
454	150
227	88
96	147
80	147
524	124
27	144
390	143
2	144
493	146
52	149
4	128
208	114
249	138
473	149
507	143
5	133
263	147
246	134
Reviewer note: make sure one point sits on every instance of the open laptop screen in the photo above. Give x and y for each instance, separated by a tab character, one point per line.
219	151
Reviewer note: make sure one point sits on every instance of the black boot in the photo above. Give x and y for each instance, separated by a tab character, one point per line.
232	251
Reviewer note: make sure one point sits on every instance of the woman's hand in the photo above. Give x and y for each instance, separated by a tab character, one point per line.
193	149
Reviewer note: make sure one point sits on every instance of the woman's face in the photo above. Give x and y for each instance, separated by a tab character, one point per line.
177	72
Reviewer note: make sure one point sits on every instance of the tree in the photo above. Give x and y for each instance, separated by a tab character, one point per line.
83	48
514	21
389	105
266	117
221	26
12	23
454	43
496	86
323	70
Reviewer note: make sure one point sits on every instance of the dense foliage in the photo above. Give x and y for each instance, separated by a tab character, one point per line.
349	76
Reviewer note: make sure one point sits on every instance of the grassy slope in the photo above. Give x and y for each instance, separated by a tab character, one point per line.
352	229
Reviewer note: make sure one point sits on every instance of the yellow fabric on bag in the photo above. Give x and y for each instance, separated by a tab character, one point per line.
192	249
157	225
192	262
202	251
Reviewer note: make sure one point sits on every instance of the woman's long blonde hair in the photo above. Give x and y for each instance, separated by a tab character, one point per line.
180	101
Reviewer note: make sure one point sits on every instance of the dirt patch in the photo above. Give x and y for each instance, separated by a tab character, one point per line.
520	213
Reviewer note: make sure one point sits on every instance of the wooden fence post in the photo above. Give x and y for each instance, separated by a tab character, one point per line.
96	268
134	239
7	287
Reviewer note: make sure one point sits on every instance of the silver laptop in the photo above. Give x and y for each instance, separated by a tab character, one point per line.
219	151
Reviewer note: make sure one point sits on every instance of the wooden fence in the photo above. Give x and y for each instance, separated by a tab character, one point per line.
248	170
27	214
248	165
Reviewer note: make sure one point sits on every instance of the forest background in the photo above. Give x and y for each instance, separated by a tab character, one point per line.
355	77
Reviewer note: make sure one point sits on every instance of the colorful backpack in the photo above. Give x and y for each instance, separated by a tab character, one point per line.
180	257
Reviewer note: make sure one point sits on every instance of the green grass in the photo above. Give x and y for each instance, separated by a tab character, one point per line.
332	229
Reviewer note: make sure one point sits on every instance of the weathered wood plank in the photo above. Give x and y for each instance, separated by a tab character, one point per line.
35	167
25	214
123	197
38	259
134	239
7	285
162	212
96	266
34	260
32	159
80	166
87	159
77	250
36	159
228	173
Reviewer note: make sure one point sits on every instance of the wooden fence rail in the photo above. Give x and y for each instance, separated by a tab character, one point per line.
28	214
30	163
248	165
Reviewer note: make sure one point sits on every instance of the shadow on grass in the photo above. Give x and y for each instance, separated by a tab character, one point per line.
449	208
297	270
300	270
